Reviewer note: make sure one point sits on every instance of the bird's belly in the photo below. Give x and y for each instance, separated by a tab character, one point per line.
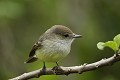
53	54
50	57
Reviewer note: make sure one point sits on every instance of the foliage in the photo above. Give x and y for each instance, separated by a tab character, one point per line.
114	45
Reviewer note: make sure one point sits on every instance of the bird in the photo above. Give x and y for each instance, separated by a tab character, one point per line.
53	45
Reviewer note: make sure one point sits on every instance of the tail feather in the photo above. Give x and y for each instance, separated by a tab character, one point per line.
30	59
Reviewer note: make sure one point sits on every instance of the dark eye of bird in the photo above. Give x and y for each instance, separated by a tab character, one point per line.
66	35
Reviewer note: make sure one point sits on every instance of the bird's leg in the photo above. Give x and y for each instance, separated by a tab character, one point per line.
44	68
57	64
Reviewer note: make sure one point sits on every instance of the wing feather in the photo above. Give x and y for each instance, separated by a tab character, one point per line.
36	46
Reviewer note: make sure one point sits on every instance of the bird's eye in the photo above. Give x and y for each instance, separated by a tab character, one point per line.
66	35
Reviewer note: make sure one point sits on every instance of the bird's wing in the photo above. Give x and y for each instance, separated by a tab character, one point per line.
35	47
32	58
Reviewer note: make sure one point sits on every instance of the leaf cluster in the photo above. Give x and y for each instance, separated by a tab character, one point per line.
114	45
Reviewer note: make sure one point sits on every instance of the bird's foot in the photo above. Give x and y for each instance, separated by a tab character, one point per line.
58	70
44	70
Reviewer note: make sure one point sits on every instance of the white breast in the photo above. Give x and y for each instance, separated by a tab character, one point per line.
53	51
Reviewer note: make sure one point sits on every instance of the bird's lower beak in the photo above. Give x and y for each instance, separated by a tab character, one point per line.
76	36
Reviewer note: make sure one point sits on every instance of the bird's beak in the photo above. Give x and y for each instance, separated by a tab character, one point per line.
77	36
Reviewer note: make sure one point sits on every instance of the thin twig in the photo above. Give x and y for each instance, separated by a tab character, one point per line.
69	70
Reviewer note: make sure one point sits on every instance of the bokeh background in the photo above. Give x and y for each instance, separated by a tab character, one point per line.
23	21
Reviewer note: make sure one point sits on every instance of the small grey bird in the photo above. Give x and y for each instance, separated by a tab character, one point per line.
53	45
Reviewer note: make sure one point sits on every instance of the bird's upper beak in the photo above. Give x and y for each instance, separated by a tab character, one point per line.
76	36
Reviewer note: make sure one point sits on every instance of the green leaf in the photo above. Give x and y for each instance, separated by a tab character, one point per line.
117	39
111	44
100	45
114	45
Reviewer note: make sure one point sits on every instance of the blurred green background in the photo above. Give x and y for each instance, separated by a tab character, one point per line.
23	21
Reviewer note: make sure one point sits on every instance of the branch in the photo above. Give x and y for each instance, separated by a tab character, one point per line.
69	70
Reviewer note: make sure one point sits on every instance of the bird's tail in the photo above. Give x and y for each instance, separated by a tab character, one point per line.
30	59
